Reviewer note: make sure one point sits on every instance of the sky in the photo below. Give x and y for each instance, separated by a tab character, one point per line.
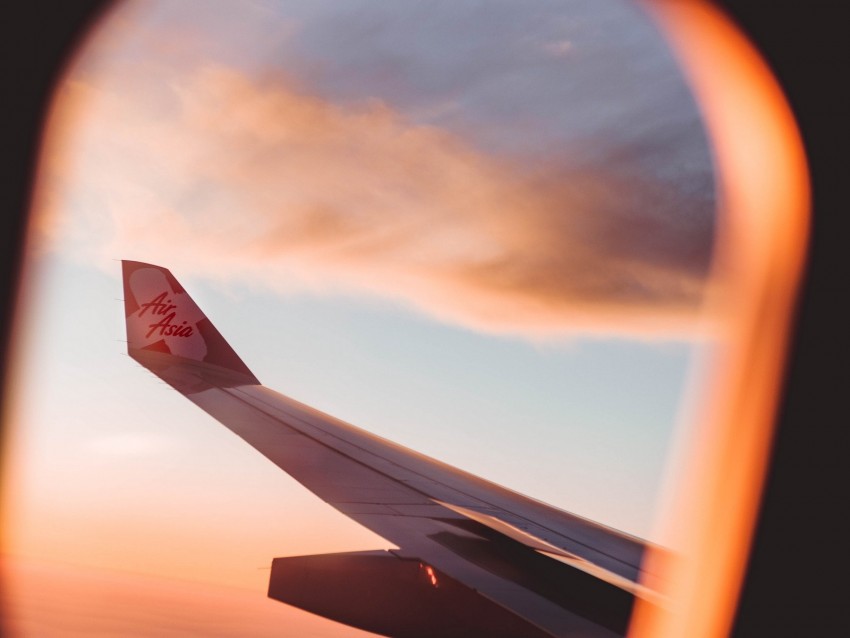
481	230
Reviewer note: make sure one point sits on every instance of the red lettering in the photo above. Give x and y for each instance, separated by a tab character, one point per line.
157	305
168	329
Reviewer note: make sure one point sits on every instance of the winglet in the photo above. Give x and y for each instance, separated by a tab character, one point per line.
162	317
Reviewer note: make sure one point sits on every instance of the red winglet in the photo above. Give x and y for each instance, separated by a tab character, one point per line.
162	317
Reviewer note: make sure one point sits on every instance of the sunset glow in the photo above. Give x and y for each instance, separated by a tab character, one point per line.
490	237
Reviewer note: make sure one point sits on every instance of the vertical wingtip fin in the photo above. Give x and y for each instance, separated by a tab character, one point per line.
162	317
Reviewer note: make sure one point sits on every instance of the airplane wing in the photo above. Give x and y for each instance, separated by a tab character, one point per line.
472	558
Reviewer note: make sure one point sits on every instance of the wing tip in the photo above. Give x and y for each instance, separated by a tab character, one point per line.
162	317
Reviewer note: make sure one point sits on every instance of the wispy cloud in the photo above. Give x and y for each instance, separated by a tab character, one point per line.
559	48
212	171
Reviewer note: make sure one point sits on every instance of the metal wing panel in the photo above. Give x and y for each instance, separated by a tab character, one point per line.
262	416
341	472
549	615
331	475
404	516
345	465
608	548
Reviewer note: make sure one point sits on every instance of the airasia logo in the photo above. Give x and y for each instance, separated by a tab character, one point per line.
164	315
160	306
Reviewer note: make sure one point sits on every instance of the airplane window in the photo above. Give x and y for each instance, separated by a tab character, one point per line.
489	234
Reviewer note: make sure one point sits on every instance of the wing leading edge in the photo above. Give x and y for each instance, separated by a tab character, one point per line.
518	566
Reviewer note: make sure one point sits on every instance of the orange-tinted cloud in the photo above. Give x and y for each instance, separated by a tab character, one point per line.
214	173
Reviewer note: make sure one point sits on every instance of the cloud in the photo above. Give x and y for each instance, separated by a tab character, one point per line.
214	172
559	48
